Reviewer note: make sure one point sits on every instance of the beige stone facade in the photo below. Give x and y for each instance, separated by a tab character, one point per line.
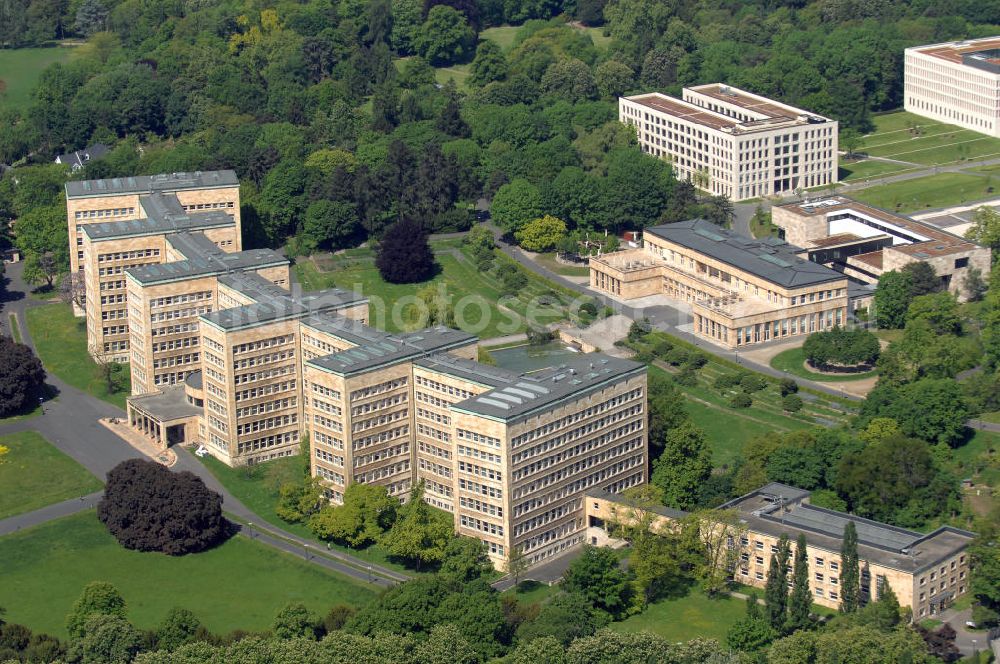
926	571
741	291
734	143
225	356
955	82
121	223
863	241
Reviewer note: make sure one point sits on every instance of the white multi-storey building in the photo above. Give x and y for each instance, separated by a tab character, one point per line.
956	82
734	143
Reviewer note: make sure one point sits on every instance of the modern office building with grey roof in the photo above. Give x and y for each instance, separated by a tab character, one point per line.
926	571
223	354
742	291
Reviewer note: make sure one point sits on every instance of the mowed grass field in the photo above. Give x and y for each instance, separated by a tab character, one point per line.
258	488
61	341
35	474
476	296
932	191
20	69
728	429
238	585
692	616
911	138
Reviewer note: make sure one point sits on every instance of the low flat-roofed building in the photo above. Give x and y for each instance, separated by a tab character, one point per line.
734	143
742	291
863	241
955	82
926	571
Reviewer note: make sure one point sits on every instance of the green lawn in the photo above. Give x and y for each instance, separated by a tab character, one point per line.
240	584
474	294
597	35
457	73
792	360
529	592
693	616
61	341
726	431
932	191
549	261
980	443
867	168
20	69
35	474
503	35
15	327
257	488
909	137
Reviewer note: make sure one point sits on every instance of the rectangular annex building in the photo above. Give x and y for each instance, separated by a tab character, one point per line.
956	83
223	354
741	291
863	241
734	143
926	571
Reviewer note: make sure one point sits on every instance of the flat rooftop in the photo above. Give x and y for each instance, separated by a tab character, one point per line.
200	221
546	388
957	51
770	259
275	307
147	184
468	370
777	509
167	405
766	108
939	241
765	113
684	110
392	349
204	258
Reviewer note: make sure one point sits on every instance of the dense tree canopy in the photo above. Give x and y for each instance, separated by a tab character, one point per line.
404	256
842	347
147	507
21	376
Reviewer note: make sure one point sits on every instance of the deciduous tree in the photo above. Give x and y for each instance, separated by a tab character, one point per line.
420	534
21	376
149	508
597	576
683	466
404	256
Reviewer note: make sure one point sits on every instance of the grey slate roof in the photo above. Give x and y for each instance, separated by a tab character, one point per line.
542	389
392	349
778	508
771	259
79	158
146	184
348	329
204	258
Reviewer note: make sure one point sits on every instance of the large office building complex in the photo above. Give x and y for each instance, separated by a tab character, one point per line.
132	214
741	291
224	354
956	83
926	571
862	241
734	143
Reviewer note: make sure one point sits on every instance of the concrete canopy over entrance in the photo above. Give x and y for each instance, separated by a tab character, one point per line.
167	417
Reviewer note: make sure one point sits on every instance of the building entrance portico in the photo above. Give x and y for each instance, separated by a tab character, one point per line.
166	417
